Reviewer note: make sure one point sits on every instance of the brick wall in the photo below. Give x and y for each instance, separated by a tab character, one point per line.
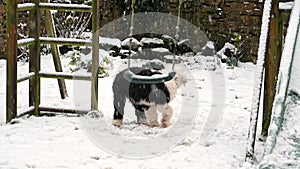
2	31
23	17
221	19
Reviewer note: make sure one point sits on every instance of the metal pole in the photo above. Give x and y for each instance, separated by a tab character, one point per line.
11	50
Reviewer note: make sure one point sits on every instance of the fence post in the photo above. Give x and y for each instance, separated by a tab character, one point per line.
34	59
11	51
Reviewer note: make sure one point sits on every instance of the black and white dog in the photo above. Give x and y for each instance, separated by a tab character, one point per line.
147	99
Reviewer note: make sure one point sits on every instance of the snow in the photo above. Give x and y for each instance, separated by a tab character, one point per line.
65	40
25	41
228	45
183	41
61	141
110	41
286	5
161	50
126	42
151	40
60	5
26	5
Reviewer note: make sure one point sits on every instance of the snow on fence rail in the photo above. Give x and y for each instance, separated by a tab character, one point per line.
65	41
25	42
59	6
26	77
55	6
62	75
25	6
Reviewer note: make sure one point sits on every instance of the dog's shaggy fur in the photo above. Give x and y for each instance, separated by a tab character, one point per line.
146	98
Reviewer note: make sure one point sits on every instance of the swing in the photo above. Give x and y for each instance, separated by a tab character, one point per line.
133	78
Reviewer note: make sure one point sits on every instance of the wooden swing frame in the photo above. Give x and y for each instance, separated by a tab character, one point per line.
34	41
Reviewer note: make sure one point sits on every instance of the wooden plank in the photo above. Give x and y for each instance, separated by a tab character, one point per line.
95	55
65	41
62	75
64	7
55	55
272	61
26	6
34	59
26	112
11	84
63	110
26	77
25	42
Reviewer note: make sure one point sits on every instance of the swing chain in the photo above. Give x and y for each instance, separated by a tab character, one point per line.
131	31
176	34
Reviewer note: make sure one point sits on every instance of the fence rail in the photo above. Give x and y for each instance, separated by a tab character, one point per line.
67	7
65	41
62	75
25	7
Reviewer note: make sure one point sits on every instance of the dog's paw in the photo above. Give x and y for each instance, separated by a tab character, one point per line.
165	123
117	122
143	121
154	123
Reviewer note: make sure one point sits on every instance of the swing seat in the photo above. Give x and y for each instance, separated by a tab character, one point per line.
133	78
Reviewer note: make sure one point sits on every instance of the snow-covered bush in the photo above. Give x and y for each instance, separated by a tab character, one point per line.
232	60
79	61
234	54
231	53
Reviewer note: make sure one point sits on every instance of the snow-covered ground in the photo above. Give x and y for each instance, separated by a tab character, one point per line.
60	141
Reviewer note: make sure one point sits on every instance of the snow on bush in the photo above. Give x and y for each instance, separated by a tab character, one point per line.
79	61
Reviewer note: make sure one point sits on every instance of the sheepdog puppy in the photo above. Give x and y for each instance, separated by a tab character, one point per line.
147	99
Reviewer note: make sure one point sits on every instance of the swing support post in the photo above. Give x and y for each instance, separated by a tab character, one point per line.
11	51
95	55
